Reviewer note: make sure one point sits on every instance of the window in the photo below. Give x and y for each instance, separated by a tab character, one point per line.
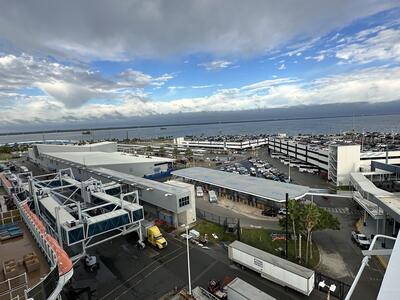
183	201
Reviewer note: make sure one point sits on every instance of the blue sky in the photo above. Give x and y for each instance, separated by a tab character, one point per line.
139	58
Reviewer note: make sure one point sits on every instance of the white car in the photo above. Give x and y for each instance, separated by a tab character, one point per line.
212	197
199	191
361	239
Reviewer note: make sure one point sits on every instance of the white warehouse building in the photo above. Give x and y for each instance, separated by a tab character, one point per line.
173	202
54	157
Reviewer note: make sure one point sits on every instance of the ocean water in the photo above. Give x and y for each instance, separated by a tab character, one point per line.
383	123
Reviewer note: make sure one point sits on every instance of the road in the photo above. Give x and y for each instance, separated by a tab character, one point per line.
341	258
127	272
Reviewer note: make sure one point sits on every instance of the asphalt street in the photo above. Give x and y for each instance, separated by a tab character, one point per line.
127	272
343	256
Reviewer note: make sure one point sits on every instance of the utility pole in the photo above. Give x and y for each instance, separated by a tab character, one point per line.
300	246
286	225
188	259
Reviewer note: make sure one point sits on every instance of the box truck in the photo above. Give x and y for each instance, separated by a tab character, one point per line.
153	234
271	267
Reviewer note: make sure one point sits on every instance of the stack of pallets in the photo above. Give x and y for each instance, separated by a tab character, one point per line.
10	231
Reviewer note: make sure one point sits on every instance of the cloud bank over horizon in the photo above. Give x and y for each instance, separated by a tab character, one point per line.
63	62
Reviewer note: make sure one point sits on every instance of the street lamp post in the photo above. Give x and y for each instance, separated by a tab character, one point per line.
286	225
331	288
188	257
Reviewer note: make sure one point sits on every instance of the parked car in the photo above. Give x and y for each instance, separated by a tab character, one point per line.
199	191
360	239
212	197
269	212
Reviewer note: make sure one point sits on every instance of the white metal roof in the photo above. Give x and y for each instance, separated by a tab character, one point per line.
138	181
247	290
258	187
114	200
97	158
390	202
71	181
50	204
275	260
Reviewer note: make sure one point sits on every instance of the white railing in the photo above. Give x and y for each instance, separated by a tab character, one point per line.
15	286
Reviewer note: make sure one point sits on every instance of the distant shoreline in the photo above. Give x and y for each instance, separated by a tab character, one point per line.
191	124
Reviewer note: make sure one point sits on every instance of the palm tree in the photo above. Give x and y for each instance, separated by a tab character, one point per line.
175	152
149	149
189	154
293	215
161	151
309	217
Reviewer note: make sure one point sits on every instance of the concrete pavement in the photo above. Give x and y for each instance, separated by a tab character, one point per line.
246	219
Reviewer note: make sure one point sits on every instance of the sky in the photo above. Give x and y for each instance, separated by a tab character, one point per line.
76	62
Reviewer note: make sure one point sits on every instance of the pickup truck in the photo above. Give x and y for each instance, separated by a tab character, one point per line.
360	239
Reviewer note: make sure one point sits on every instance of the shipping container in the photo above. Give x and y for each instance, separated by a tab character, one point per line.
271	267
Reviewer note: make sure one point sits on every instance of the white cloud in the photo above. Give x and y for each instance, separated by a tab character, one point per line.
371	84
207	86
384	45
70	85
216	65
282	67
318	58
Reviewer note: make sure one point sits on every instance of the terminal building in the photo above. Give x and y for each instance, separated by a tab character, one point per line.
101	162
55	157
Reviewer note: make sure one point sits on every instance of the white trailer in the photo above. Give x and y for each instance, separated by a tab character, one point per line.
239	289
272	267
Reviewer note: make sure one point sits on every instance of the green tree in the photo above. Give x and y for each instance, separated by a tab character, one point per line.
307	218
148	150
294	219
175	152
161	151
189	154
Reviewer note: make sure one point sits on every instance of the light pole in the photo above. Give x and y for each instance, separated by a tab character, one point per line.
289	168
286	224
331	288
188	257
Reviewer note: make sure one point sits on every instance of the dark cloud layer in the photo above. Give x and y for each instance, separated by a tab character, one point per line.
156	28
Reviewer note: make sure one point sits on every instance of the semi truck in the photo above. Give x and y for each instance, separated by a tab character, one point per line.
273	268
153	235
